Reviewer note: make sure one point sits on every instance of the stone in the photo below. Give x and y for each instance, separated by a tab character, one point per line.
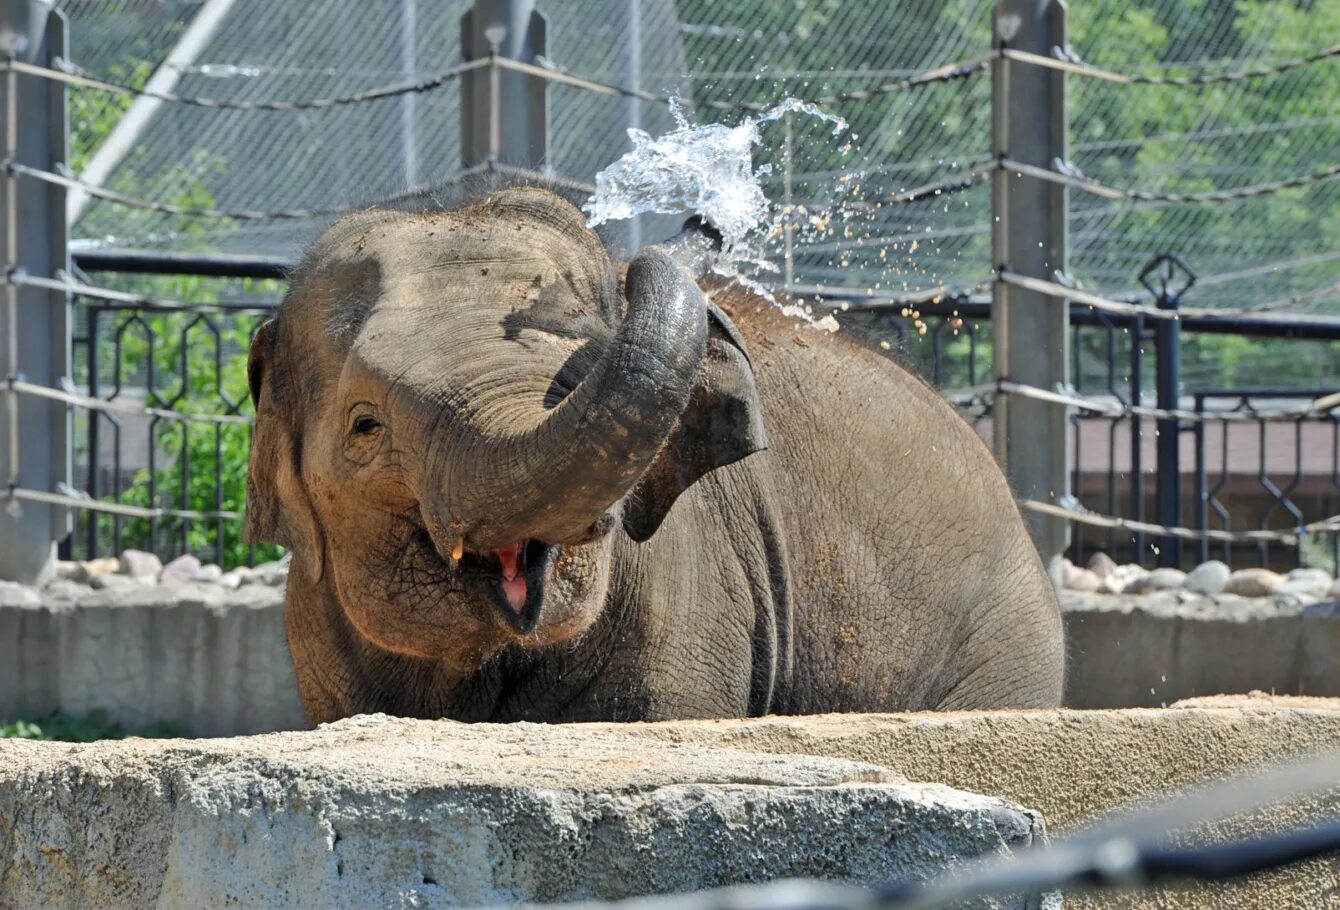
142	565
209	574
1083	580
1314	583
1208	577
106	582
1334	593
379	811
273	574
70	570
1165	579
1253	583
1101	564
236	578
181	569
1122	578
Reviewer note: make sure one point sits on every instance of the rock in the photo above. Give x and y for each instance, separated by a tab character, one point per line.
106	582
1335	590
273	574
141	565
236	578
1253	583
1102	565
1082	580
1306	582
379	811
208	574
1157	580
1121	579
70	570
1208	577
13	594
181	569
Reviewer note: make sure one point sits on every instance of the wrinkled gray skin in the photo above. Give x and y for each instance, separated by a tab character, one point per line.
801	528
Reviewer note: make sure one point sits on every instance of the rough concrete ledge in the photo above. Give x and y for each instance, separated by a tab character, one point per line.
1076	766
376	811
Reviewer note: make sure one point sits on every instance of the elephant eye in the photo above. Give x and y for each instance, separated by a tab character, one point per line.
365	426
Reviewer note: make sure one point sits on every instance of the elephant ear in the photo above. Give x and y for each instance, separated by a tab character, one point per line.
278	508
722	423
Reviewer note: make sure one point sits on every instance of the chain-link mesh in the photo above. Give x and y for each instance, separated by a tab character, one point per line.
1163	138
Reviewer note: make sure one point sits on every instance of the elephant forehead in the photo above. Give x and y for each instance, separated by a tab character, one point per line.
447	327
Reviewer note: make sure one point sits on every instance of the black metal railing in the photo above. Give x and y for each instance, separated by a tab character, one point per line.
169	430
174	434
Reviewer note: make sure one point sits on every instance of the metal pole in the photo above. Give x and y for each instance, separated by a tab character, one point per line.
1029	236
37	321
634	81
1167	278
504	115
409	102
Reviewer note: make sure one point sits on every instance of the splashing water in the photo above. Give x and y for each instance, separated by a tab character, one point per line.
705	170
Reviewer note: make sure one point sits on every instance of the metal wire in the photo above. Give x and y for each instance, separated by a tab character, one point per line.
80	289
1084	69
1107	191
948	73
136	202
1076	512
393	90
20	387
114	508
1063	292
969	179
1316	408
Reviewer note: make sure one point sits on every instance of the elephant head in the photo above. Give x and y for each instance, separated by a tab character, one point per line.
458	411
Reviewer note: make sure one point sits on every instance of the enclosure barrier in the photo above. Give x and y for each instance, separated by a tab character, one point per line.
1046	176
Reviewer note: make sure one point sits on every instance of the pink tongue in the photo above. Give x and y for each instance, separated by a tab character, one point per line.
514	583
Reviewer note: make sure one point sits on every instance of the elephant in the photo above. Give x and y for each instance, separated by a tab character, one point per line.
519	482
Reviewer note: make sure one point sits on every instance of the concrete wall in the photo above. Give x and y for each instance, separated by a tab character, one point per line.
1151	650
215	661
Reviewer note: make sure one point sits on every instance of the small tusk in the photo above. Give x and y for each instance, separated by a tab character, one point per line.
458	551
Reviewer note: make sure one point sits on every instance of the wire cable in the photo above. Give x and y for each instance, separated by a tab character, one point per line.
950	72
113	508
1318	407
1107	191
1075	512
1084	69
136	301
392	90
125	408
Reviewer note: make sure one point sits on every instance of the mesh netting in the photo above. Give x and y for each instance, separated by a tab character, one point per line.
1161	138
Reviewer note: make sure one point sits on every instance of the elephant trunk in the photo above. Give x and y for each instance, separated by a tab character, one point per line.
556	480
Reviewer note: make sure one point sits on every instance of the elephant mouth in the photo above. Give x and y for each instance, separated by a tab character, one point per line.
516	575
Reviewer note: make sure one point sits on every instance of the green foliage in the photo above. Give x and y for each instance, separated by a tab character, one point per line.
89	728
187	362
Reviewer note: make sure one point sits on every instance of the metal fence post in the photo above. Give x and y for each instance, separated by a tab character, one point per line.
504	114
36	346
1161	278
1029	237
